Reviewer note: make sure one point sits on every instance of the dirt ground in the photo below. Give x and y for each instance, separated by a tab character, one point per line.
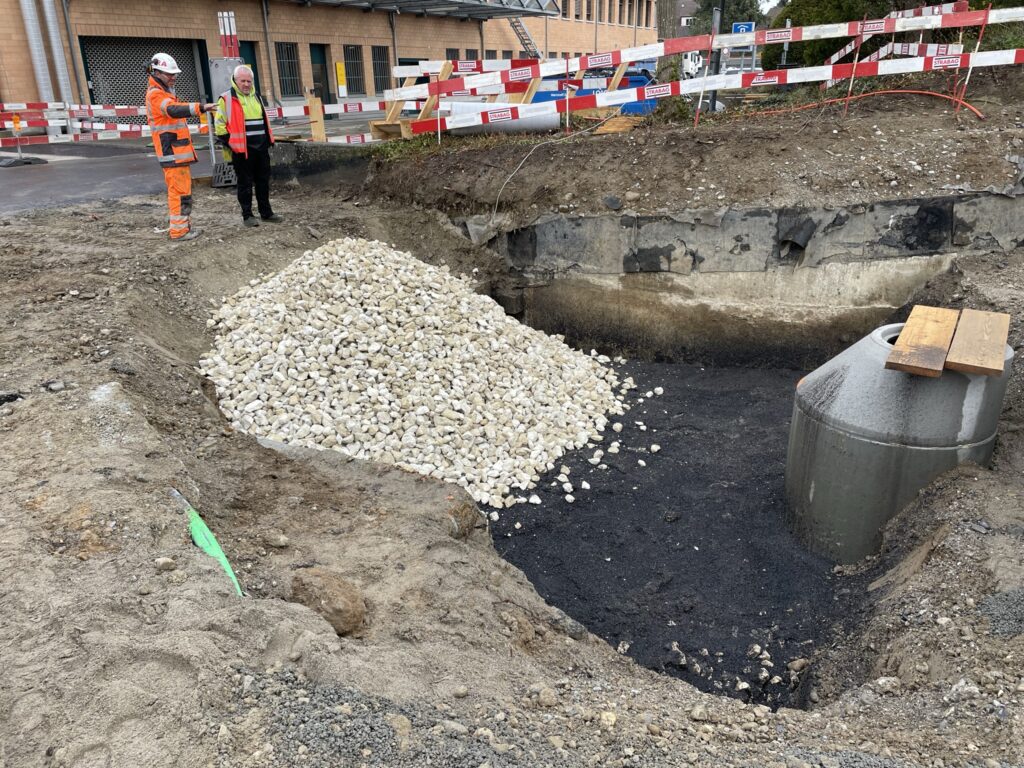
111	658
887	147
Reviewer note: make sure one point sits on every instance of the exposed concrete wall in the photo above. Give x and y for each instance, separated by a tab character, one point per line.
294	160
789	284
753	240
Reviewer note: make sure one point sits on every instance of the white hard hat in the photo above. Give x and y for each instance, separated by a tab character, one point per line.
163	62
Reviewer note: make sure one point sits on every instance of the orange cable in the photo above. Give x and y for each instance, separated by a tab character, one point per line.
954	99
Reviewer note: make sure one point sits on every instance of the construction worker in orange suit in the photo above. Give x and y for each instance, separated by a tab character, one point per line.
172	142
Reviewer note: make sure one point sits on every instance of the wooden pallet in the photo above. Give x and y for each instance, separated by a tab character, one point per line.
934	339
620	124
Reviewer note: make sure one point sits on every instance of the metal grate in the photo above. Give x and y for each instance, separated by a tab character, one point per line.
115	67
354	70
381	57
472	54
288	68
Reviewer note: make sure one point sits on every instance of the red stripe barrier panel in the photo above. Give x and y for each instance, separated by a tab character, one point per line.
723	83
703	42
931	10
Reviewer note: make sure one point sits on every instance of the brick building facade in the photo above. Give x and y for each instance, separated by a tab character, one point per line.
110	42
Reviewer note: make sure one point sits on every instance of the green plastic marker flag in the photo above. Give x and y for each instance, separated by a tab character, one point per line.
203	538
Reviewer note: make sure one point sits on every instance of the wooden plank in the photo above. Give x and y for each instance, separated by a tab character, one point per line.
431	103
979	343
316	118
395	107
382	129
620	71
924	341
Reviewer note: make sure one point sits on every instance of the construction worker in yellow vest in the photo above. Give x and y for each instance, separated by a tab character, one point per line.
243	131
172	142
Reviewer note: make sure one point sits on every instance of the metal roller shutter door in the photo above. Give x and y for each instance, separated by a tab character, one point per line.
116	67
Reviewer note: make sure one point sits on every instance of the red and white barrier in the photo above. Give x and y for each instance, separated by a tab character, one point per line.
30	106
9	124
930	10
703	42
460	66
353	138
915	49
104	110
724	83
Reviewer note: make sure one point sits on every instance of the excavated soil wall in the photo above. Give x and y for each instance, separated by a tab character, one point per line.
787	286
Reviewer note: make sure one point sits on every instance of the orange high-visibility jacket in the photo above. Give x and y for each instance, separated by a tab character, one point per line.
166	117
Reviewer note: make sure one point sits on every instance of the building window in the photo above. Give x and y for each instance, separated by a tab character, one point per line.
354	70
380	55
472	54
579	10
600	10
622	11
288	68
452	54
507	55
686	21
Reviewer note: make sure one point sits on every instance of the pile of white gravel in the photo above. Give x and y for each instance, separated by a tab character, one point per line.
366	350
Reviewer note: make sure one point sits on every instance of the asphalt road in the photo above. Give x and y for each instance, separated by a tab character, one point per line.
67	179
76	173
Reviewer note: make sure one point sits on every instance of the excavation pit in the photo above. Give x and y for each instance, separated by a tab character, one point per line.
680	557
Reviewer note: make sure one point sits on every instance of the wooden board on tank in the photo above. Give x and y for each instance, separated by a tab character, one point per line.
924	341
979	343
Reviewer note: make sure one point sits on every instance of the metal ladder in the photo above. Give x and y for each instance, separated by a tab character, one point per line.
524	36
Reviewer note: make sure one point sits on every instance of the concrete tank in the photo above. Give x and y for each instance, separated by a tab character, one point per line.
864	440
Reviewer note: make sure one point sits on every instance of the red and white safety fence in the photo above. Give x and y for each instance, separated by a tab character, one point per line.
929	10
704	42
11	125
353	138
915	49
723	83
461	66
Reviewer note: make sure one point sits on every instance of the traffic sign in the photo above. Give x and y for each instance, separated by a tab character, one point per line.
742	26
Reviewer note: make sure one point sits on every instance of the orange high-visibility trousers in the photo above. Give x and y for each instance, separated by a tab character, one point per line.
179	199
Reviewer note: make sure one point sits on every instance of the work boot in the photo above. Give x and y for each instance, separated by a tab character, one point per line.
274	218
250	221
192	234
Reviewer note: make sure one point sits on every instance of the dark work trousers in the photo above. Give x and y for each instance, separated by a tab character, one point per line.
253	170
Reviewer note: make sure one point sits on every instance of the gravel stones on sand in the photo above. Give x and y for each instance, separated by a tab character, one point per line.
1006	612
364	349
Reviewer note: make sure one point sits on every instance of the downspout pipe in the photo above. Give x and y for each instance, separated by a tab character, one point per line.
394	38
57	51
270	52
71	47
37	51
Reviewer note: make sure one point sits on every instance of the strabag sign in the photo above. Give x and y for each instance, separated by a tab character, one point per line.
762	78
498	115
946	62
657	91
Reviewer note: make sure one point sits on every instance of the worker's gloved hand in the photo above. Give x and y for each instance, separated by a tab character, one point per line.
221	141
209	107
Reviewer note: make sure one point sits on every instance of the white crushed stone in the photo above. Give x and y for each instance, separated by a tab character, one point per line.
363	349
